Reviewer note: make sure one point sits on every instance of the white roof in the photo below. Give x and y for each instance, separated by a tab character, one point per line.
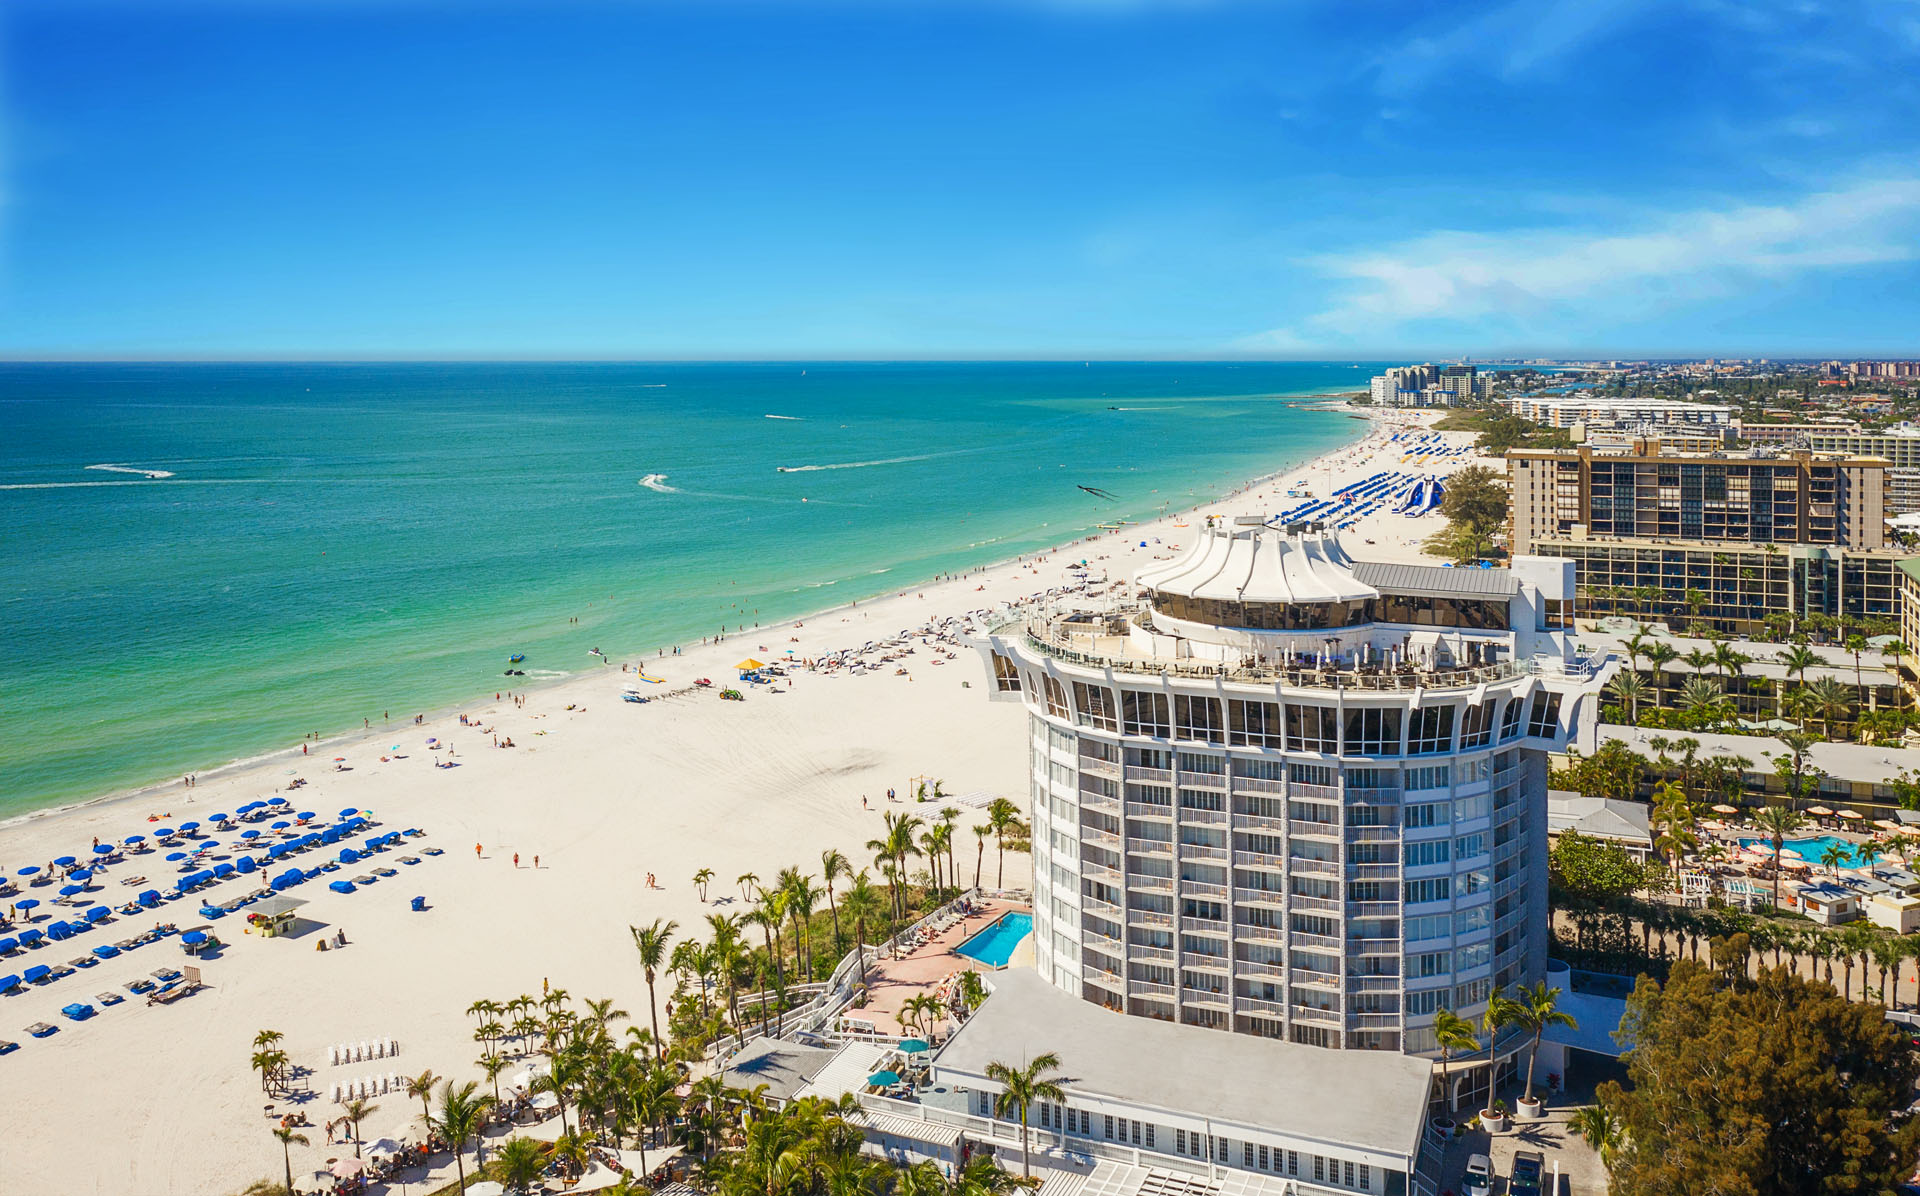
847	1071
1251	562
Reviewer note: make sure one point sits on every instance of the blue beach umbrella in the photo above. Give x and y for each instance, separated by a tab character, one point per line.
80	874
29	903
132	839
306	815
349	812
30	870
102	848
281	826
277	801
218	817
70	890
883	1079
194	937
174	857
65	861
249	834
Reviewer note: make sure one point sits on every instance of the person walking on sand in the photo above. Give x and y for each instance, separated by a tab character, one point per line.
516	859
476	851
536	863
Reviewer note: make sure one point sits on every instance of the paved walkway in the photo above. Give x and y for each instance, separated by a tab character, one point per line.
891	982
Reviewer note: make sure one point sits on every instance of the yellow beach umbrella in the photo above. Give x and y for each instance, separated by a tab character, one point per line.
749	664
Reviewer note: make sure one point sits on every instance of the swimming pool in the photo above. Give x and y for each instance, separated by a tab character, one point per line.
1812	849
994	945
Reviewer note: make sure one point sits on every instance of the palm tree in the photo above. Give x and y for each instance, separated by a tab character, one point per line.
1797	659
1836	856
801	896
1698	659
701	880
652	1100
1779	822
980	834
1700	695
1500	1013
895	846
1451	1033
747	881
863	902
726	955
1857	644
518	1163
1831	698
357	1111
463	1111
1729	660
574	1153
1003	817
1601	1130
833	866
1887	954
1535	1007
422	1087
651	943
1629	689
491	1066
1659	656
287	1138
1674	817
1020	1087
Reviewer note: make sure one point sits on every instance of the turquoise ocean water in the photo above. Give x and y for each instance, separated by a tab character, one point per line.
340	540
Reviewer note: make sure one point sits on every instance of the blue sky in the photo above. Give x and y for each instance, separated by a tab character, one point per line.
1055	179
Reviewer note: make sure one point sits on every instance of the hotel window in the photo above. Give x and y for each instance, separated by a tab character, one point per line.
1510	722
1254	724
1221	1153
1473	992
1263	1157
1474	918
1432	813
1435	888
1145	713
1468	846
1319	1169
1107	1126
1006	678
1429	926
1432	851
1545	718
1198	718
1430	731
1475	955
1348	1168
1095	703
1466	809
1199	762
1056	697
1372	731
1476	729
1366	1178
1246	1154
1467	772
1432	776
1427	963
1425	1001
1312	729
1293	1162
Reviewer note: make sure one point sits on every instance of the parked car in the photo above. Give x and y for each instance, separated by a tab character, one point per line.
1524	1179
1479	1181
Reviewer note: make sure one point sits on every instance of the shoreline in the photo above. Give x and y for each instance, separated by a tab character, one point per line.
592	822
351	737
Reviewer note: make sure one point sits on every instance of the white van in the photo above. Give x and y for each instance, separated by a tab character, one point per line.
1479	1181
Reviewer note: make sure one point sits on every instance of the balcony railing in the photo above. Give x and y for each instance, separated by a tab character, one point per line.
1150	776
1259	785
1321	979
1313	1013
1318	830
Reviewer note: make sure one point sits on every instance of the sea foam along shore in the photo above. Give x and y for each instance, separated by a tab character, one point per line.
602	791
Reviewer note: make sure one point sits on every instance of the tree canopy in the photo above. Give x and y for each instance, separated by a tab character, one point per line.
1589	870
1769	1087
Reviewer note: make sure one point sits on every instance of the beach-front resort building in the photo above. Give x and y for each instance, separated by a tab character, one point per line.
1294	796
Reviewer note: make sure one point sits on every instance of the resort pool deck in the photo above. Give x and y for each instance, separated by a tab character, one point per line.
995	945
1811	849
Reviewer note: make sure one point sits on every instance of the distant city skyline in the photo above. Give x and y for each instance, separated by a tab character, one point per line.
1048	179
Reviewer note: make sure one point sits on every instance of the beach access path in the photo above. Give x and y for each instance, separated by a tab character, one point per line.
161	1099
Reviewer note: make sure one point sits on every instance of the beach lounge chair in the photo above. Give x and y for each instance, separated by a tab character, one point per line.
108	998
84	961
165	975
98	914
79	1011
42	1029
9	983
39	973
106	950
7	1047
9	946
139	987
341	886
61	971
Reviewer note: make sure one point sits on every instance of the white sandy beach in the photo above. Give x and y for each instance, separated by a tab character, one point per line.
161	1099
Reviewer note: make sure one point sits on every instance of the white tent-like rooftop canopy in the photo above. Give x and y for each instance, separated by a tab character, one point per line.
1245	560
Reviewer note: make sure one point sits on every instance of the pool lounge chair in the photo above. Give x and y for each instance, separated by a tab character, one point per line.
42	1029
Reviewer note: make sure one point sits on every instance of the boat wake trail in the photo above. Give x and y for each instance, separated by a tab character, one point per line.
791	417
870	464
658	482
150	473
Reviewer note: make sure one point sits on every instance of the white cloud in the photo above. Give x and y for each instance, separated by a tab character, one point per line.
1569	276
1510	41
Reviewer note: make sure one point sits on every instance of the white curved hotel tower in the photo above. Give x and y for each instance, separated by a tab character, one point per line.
1292	795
